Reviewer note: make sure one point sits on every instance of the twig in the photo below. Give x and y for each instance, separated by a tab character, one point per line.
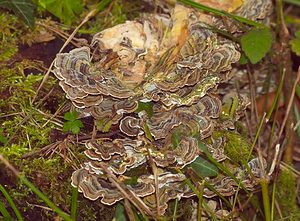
289	106
82	138
86	19
136	201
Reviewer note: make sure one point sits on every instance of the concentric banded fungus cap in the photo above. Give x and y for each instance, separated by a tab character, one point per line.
170	187
173	61
198	116
94	186
120	154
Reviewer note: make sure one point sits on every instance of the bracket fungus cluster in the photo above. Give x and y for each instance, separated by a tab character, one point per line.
175	62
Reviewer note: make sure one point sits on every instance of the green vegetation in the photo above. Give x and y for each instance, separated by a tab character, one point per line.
236	147
35	138
72	123
286	197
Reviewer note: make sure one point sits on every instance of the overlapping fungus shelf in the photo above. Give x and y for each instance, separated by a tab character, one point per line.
175	62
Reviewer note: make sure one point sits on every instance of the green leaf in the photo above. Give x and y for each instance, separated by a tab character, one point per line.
145	106
295	43
24	9
256	43
3	139
71	116
120	213
243	59
73	126
65	10
203	148
204	168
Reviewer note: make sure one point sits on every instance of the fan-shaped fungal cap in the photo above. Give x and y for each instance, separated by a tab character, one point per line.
175	62
95	186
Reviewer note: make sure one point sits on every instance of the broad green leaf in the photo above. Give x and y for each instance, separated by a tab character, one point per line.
22	8
204	168
295	43
203	148
256	43
67	126
65	10
120	213
146	106
71	116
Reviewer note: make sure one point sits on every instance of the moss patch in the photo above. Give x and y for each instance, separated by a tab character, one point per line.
236	147
286	196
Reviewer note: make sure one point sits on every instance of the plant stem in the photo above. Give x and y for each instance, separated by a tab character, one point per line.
36	191
266	200
11	203
4	212
74	203
221	13
175	210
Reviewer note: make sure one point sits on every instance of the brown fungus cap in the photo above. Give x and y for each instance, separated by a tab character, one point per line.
175	62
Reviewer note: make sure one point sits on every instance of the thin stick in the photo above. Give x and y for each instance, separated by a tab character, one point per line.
289	106
24	180
86	19
136	201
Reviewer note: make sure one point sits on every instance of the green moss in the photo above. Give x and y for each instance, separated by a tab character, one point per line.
13	152
236	147
286	195
8	36
23	126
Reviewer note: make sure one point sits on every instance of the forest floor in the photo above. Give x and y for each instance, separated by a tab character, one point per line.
32	119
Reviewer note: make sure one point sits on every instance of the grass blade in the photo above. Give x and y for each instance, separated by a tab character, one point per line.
294	2
175	210
37	192
74	203
4	212
221	13
11	203
266	199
